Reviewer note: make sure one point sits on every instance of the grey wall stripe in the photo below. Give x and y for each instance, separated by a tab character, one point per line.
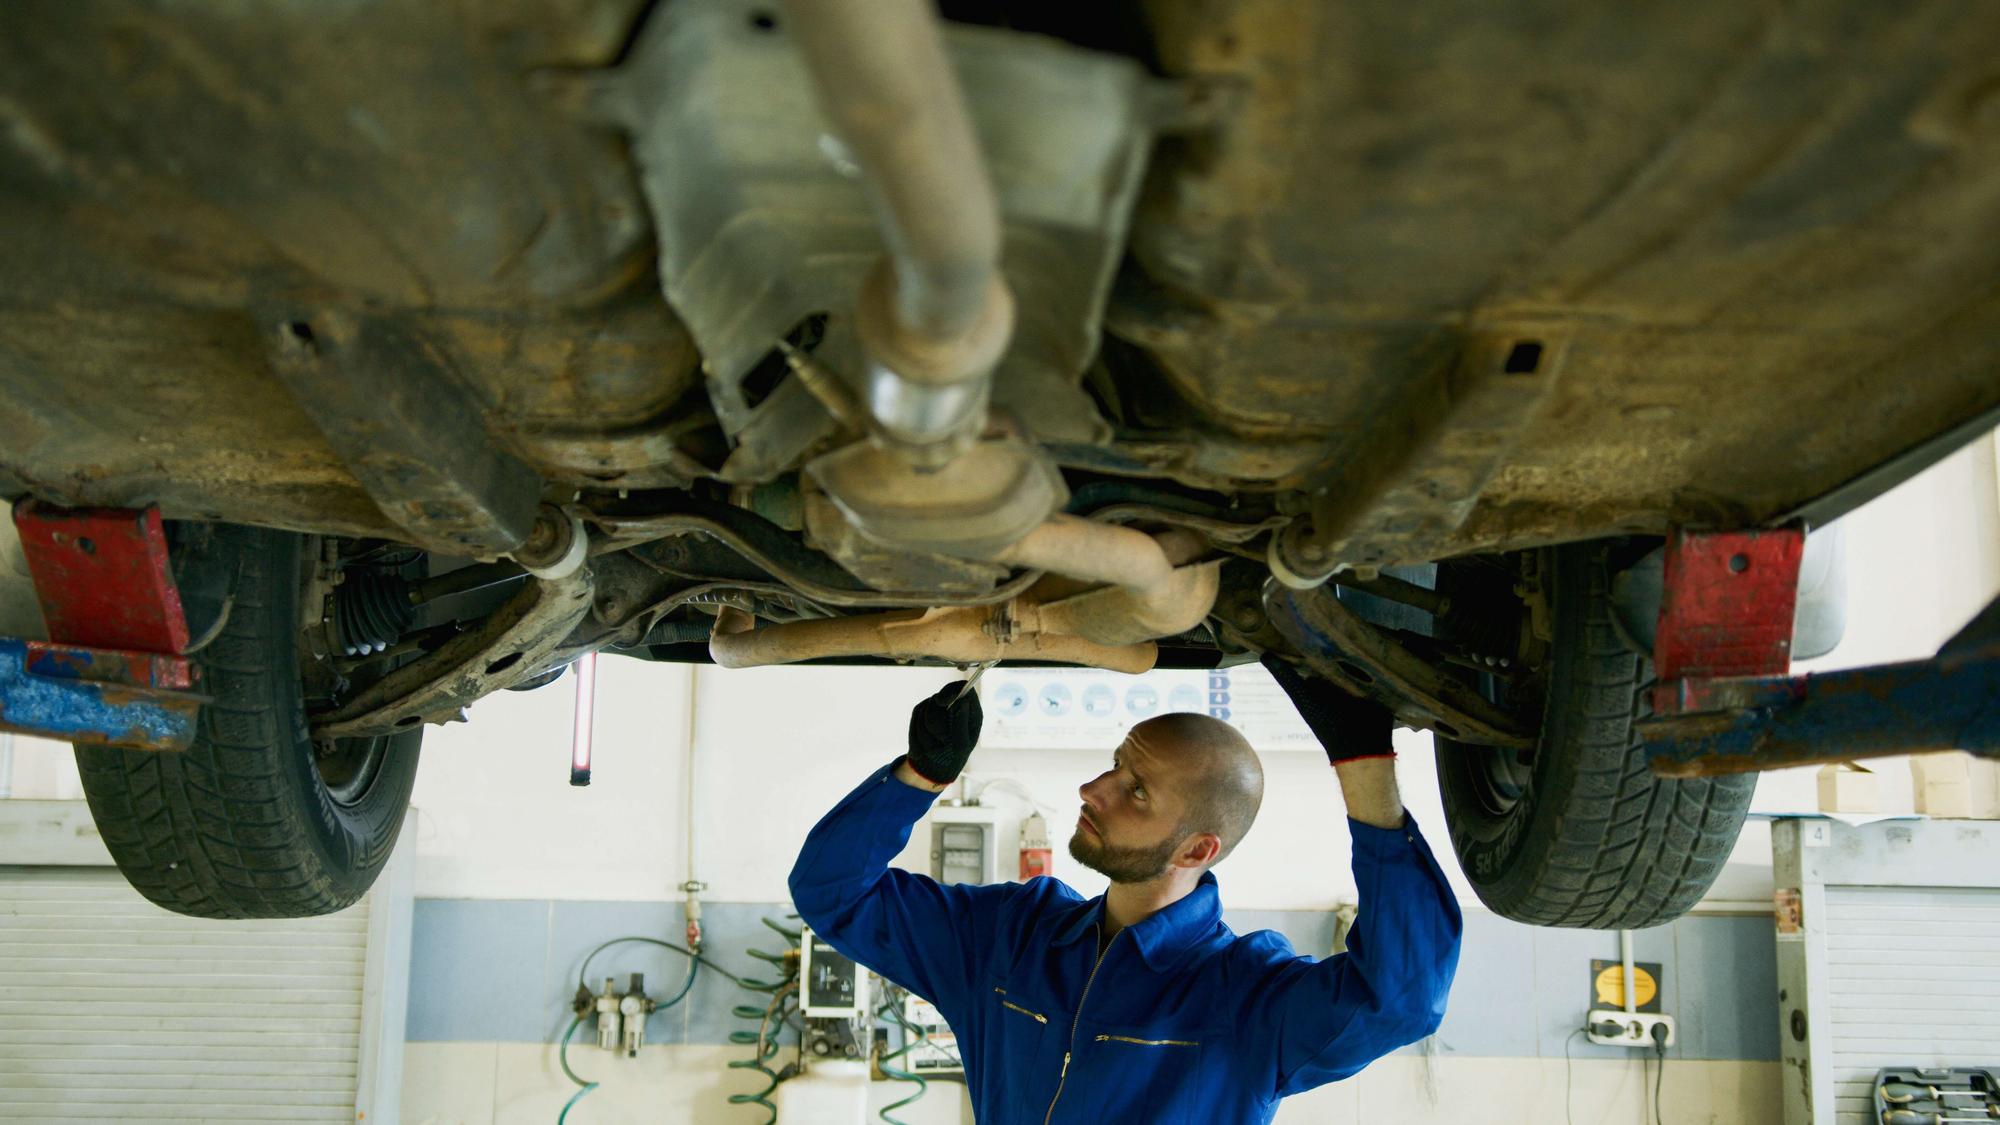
503	970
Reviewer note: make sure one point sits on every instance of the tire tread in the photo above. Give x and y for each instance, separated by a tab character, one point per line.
1627	850
218	830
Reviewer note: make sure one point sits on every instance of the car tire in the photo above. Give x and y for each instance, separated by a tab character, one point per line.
252	820
1580	833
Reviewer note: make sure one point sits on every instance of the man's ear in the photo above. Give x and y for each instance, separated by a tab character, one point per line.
1198	850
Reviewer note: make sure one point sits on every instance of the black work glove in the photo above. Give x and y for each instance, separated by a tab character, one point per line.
943	733
1349	727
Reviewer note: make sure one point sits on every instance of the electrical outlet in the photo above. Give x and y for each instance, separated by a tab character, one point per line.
1616	1027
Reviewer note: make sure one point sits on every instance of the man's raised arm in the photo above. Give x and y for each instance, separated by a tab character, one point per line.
1327	1019
920	934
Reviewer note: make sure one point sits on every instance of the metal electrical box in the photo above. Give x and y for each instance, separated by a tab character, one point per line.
1888	941
965	844
831	986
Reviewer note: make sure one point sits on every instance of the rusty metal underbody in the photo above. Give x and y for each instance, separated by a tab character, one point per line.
1422	280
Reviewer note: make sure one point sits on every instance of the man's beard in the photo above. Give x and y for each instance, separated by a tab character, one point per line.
1124	865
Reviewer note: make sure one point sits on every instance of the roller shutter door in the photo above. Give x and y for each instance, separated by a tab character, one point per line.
1915	975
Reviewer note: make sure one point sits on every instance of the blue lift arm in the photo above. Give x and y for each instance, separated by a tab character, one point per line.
1706	727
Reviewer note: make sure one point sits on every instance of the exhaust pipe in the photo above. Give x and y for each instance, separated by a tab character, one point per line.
1107	626
1151	589
972	635
935	315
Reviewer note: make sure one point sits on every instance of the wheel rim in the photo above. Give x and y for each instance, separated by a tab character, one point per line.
348	767
1502	778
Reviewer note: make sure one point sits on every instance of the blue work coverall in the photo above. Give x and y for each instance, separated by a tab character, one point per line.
1180	1021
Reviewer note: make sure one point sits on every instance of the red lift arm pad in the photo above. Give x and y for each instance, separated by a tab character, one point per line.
103	578
1729	602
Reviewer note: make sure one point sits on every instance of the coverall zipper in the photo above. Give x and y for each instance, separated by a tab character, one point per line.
1036	1016
1063	1079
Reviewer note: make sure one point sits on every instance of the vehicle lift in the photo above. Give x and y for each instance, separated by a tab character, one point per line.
116	671
1724	703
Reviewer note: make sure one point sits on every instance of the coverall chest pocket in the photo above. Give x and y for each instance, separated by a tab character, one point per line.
1027	1036
1153	1073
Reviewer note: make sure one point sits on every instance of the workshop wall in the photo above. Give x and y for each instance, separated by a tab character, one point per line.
774	748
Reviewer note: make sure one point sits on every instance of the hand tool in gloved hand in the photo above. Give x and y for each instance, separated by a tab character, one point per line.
1912	1117
943	731
978	670
1349	727
1903	1093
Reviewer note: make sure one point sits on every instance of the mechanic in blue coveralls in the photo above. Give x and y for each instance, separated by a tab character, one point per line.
1140	1005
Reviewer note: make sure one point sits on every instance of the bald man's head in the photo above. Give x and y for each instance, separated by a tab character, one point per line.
1217	774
